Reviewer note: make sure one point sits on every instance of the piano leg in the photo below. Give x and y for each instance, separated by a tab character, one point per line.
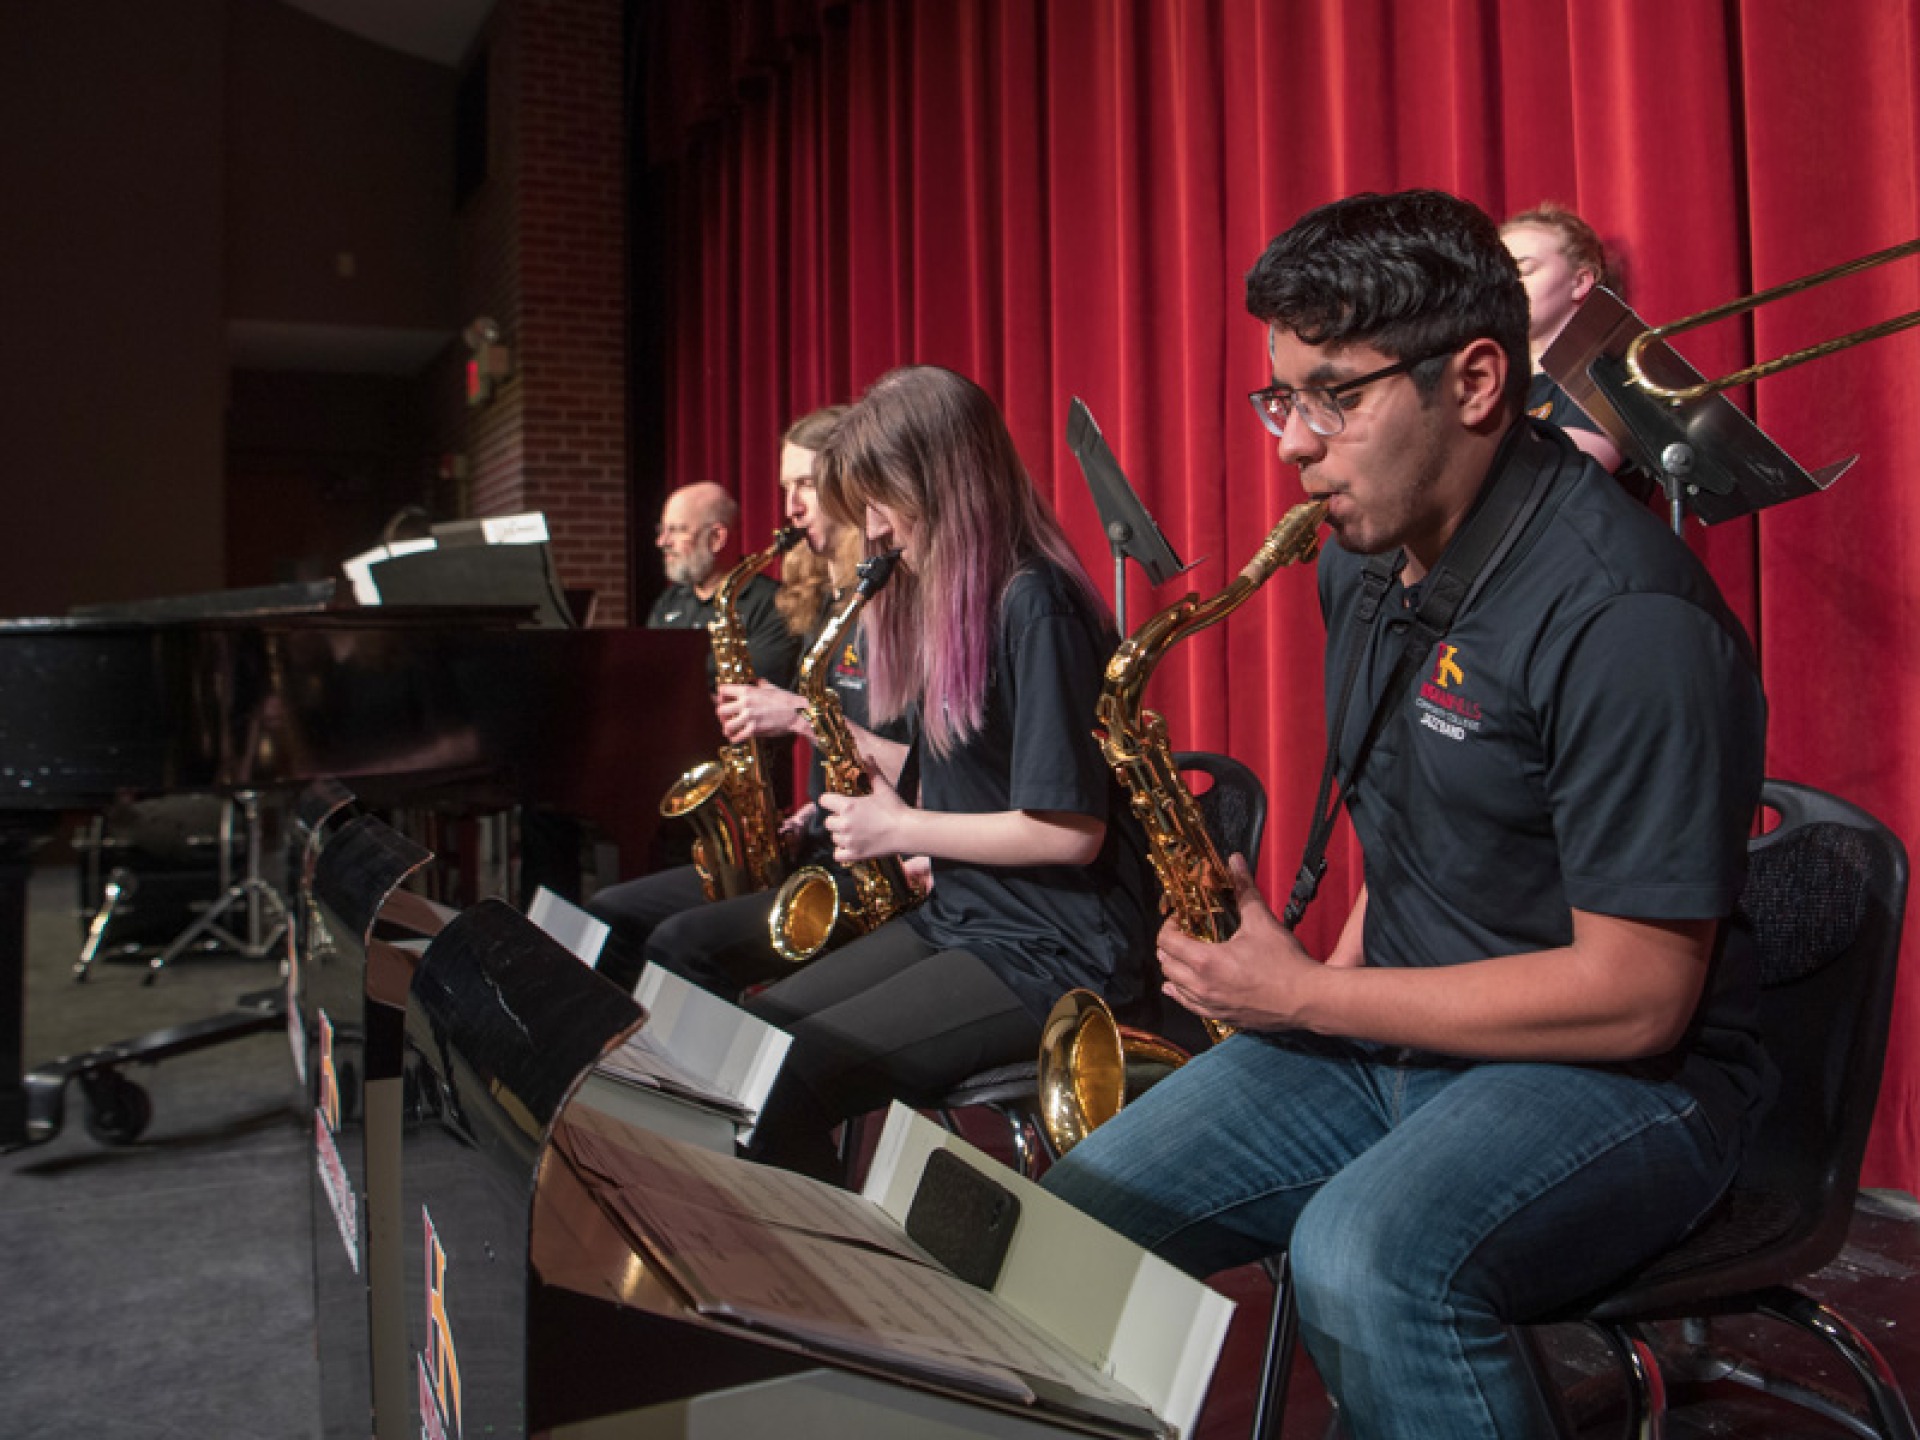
20	836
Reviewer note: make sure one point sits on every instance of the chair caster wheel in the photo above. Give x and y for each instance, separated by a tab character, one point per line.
117	1109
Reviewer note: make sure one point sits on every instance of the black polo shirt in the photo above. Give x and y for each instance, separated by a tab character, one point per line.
1590	734
772	647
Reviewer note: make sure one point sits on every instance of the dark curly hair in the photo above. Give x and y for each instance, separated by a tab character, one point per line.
1409	274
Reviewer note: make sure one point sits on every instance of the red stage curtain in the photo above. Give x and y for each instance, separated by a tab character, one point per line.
1060	197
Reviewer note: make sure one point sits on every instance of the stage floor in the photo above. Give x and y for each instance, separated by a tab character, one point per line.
165	1288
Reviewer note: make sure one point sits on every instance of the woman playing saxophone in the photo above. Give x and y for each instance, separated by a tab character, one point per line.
989	640
664	917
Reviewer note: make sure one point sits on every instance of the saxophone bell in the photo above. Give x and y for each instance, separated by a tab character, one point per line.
719	847
1091	1065
814	903
805	914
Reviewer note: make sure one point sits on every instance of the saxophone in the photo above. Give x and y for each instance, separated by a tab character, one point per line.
812	903
1084	1052
729	801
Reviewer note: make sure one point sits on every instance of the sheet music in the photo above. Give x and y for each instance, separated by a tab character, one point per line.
737	1053
861	1302
787	1254
756	1192
640	1061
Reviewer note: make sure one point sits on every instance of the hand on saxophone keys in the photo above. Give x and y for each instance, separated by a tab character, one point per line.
865	827
759	711
1248	981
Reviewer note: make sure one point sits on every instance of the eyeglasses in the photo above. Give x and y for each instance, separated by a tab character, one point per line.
677	529
1323	407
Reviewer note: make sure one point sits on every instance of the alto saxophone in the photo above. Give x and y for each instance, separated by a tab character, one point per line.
812	903
729	800
1084	1051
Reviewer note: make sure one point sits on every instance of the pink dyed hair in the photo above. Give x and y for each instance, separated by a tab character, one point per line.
932	446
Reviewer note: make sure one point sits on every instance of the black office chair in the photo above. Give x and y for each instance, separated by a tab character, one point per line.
1825	893
1234	807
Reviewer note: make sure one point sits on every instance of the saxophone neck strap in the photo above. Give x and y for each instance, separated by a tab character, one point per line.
1485	537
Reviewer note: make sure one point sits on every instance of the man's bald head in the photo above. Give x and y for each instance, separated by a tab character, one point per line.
695	525
707	503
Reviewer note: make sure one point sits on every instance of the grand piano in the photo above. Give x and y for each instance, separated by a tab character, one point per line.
458	707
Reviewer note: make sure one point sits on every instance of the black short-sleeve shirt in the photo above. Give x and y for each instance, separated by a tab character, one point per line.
772	647
1589	735
1043	929
1547	401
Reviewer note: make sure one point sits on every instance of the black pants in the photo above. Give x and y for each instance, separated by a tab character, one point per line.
665	920
634	909
883	1017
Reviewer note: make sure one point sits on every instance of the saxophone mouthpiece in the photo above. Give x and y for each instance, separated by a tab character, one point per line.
786	537
876	570
1295	540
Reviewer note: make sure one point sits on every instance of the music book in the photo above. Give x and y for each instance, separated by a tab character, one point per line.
833	1272
566	922
695	1048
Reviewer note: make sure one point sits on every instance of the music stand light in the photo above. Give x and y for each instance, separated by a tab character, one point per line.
1707	456
1131	531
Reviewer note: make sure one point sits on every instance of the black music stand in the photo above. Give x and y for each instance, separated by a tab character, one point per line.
1707	456
504	561
350	979
1130	529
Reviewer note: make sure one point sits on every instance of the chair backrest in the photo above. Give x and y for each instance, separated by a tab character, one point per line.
1825	895
1234	805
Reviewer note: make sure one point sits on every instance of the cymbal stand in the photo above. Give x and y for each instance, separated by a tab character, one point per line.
251	894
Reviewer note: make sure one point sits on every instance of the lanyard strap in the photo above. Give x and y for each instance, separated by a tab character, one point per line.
1484	538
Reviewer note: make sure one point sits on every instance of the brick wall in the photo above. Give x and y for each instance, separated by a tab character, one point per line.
542	251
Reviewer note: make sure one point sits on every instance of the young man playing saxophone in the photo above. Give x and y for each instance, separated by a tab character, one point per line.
1527	1063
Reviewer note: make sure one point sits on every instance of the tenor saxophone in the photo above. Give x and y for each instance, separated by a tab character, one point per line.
729	800
813	902
1084	1051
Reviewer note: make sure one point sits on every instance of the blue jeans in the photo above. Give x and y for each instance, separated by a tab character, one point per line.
1425	1204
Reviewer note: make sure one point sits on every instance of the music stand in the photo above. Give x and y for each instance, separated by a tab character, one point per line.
1707	456
502	561
1130	529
